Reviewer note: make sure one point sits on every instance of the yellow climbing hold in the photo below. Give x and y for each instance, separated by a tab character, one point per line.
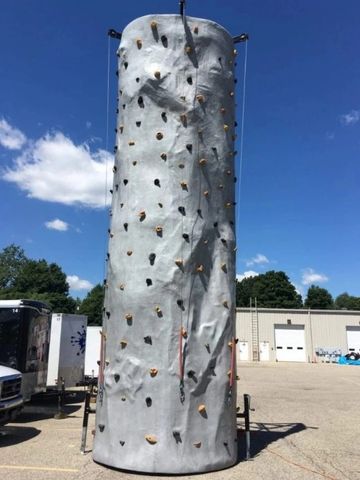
153	24
226	127
201	408
179	262
202	161
200	268
157	309
183	184
128	316
158	229
153	372
151	439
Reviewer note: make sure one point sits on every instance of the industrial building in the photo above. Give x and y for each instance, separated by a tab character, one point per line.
296	335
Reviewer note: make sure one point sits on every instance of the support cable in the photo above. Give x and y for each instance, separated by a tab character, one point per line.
242	137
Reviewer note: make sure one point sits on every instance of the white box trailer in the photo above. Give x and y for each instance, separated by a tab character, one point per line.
92	353
67	349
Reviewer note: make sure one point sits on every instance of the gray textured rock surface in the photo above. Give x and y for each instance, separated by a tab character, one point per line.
168	400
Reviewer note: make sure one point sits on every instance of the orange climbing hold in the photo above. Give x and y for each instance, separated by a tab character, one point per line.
202	408
151	439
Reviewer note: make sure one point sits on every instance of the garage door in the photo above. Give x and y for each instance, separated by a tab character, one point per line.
290	343
353	339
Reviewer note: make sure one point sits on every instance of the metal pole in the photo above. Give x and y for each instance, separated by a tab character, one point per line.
85	422
247	425
61	401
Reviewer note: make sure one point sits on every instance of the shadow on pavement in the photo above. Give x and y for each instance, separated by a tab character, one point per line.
263	434
45	405
11	435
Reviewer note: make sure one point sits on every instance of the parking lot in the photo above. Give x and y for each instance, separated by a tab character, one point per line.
306	425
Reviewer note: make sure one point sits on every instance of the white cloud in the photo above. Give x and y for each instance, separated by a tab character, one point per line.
350	118
54	169
76	283
57	224
259	259
309	276
247	274
10	137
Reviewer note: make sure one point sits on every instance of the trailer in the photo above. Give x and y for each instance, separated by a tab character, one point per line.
24	342
92	351
67	350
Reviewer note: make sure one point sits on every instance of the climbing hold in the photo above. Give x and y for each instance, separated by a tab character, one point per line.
196	29
141	102
231	94
186	236
139	43
108	314
153	372
142	215
200	268
158	229
235	52
122	286
138	123
225	303
123	399
163	156
188	49
230	344
126	227
197	444
220	186
200	98
223	110
189	147
122	443
159	135
148	340
206	193
191	374
151	439
183	98
148	401
157	182
114	168
206	242
228	172
179	262
101	428
183	185
228	205
152	257
181	165
189	80
128	316
157	75
134	162
153	25
184	332
226	127
131	143
182	210
160	205
129	253
148	282
163	116
107	362
137	79
183	118
125	65
123	343
224	267
229	372
157	309
116	377
202	408
164	40
180	303
202	161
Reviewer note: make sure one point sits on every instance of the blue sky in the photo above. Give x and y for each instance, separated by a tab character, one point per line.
300	195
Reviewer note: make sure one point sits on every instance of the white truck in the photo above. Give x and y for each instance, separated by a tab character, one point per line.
67	349
11	400
92	352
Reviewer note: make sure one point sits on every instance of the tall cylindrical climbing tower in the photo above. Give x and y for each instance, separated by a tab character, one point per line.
167	394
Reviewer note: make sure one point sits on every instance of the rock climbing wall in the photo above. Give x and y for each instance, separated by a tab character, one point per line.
167	396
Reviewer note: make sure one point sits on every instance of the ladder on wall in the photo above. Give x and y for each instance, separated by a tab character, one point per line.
254	330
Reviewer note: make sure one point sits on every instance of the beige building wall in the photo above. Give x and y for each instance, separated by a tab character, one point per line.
324	329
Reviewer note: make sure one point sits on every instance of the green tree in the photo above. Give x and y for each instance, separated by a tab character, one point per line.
347	302
92	305
319	298
21	277
271	289
12	261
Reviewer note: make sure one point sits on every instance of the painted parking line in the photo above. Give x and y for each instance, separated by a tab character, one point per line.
45	469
